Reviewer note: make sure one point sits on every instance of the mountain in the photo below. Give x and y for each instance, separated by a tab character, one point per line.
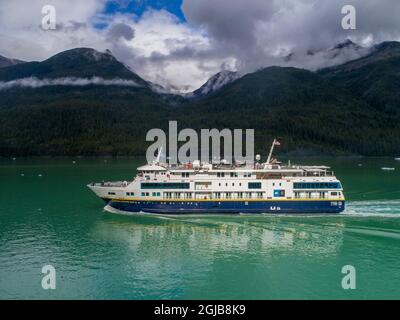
89	120
374	78
307	111
6	62
347	44
215	83
336	50
340	53
380	52
77	119
81	63
347	109
348	48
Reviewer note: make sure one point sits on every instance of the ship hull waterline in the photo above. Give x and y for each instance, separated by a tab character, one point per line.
229	207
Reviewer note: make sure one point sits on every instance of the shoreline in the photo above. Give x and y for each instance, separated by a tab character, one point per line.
282	156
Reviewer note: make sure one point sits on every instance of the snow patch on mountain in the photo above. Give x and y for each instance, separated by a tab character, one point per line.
216	82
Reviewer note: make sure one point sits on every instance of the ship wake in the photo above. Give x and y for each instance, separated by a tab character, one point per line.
373	208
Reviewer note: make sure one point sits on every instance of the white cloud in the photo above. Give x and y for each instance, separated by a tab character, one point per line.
23	14
229	34
157	46
260	33
169	52
21	34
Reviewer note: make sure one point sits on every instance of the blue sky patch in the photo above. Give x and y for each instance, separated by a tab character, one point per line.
138	7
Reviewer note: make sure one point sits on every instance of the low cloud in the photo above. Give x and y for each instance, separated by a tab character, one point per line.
76	82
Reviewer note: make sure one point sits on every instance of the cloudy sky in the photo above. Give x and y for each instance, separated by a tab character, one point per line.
181	43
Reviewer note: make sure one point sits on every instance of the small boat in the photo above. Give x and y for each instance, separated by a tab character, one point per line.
388	169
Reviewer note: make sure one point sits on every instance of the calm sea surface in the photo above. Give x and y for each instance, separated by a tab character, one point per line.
48	216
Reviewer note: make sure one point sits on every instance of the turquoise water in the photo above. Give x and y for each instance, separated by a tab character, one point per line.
48	216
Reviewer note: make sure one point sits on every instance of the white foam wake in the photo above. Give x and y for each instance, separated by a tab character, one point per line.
373	208
111	209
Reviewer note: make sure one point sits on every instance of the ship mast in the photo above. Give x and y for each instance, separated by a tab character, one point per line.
270	151
157	160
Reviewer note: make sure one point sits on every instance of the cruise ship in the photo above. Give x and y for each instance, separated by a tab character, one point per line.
224	188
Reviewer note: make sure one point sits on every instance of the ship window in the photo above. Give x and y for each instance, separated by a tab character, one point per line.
247	175
220	174
320	185
165	185
254	185
143	194
279	193
111	193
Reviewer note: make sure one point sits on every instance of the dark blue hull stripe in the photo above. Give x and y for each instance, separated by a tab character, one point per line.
229	207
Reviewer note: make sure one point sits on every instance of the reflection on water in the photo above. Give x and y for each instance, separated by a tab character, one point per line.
252	256
257	235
